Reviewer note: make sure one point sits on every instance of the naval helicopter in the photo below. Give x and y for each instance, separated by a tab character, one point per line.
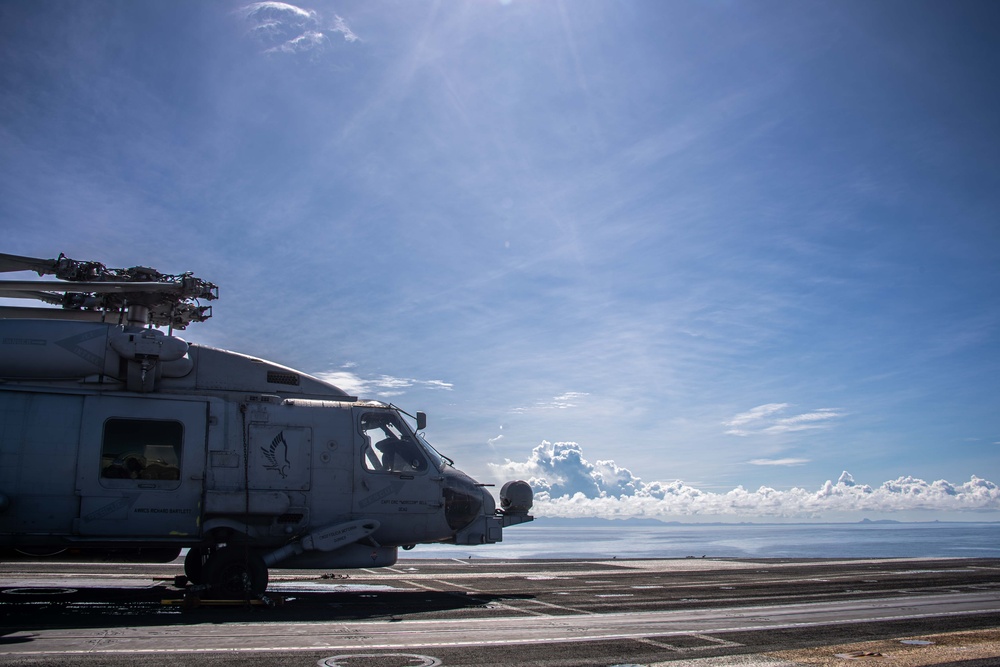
119	439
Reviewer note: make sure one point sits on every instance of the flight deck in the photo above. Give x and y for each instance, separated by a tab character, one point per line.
478	611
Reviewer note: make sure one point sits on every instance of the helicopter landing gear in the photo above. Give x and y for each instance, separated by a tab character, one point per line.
234	573
194	565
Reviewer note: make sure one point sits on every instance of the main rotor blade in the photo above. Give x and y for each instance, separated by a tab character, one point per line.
47	297
22	313
19	263
90	288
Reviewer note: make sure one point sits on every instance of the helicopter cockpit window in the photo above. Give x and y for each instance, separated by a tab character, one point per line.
141	449
389	446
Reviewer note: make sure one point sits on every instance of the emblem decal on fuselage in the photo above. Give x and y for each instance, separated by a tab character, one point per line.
277	455
72	345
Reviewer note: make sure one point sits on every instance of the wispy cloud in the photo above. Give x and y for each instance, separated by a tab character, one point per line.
271	15
339	25
382	386
765	419
804	422
756	414
778	462
564	401
281	27
305	42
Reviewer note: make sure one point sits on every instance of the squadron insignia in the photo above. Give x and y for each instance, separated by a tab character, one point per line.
277	455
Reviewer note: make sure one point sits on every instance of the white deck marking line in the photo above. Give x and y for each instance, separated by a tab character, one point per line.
464	588
668	647
532	612
500	605
582	612
715	640
513	608
713	643
423	586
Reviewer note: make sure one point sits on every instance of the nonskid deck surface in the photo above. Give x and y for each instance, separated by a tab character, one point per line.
464	611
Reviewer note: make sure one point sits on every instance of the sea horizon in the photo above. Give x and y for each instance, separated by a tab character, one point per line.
606	539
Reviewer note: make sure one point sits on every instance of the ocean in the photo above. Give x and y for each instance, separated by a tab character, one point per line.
841	540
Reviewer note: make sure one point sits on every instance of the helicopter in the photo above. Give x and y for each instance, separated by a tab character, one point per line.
121	440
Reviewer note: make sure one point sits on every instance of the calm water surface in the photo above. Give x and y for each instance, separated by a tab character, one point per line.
930	540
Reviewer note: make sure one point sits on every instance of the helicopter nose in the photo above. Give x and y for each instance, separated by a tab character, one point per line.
472	513
465	501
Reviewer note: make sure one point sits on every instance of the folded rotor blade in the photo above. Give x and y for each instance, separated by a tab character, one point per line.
19	313
90	288
19	263
47	297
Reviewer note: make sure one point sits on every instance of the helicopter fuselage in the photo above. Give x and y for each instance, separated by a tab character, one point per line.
115	437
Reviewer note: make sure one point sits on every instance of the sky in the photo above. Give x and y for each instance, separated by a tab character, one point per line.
689	260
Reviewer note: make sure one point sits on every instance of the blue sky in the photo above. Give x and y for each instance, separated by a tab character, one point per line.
740	245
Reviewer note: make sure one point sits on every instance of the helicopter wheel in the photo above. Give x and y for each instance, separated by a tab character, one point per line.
194	564
235	574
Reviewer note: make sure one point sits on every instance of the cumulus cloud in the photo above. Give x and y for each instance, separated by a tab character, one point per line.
767	419
382	386
280	27
566	484
559	469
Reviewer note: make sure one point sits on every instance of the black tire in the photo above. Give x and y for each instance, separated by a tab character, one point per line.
235	573
194	565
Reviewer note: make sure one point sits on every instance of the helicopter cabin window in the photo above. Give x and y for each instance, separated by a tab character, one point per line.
389	446
141	449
